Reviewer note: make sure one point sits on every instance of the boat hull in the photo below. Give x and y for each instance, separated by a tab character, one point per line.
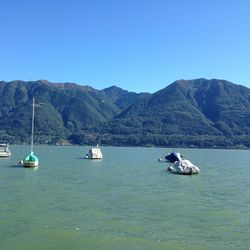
187	171
5	155
30	164
93	158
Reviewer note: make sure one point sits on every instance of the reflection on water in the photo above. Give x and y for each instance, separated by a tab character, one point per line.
126	201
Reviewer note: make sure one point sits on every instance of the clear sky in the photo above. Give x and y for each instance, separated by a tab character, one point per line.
138	45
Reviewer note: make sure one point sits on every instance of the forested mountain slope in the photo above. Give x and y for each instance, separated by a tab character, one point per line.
200	112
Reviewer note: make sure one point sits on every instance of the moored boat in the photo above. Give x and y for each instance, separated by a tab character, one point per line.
31	160
4	150
94	153
180	165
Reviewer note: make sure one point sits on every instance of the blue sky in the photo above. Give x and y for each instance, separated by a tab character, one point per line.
138	45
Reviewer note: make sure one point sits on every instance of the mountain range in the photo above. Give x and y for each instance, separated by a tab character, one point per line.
189	113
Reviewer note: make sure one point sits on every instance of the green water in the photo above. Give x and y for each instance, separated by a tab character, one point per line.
125	201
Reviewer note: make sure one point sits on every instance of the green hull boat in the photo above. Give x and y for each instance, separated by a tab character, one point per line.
31	160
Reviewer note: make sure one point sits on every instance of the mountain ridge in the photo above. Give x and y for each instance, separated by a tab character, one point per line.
198	112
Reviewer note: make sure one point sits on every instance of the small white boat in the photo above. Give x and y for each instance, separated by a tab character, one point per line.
94	153
4	150
180	165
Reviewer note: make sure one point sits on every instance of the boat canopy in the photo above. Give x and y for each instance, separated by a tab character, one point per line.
31	157
173	157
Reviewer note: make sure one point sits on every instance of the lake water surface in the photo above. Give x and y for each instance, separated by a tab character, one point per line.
126	201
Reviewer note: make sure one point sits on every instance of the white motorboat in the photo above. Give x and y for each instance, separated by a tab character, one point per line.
181	166
94	153
4	150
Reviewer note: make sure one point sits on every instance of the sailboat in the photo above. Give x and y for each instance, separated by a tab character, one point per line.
31	160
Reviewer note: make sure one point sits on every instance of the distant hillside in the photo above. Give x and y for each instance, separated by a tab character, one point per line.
212	107
196	113
204	113
123	98
62	109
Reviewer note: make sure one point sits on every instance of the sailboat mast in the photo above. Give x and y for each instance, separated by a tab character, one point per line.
32	125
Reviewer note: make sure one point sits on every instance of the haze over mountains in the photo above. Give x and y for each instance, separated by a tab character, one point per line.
198	113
